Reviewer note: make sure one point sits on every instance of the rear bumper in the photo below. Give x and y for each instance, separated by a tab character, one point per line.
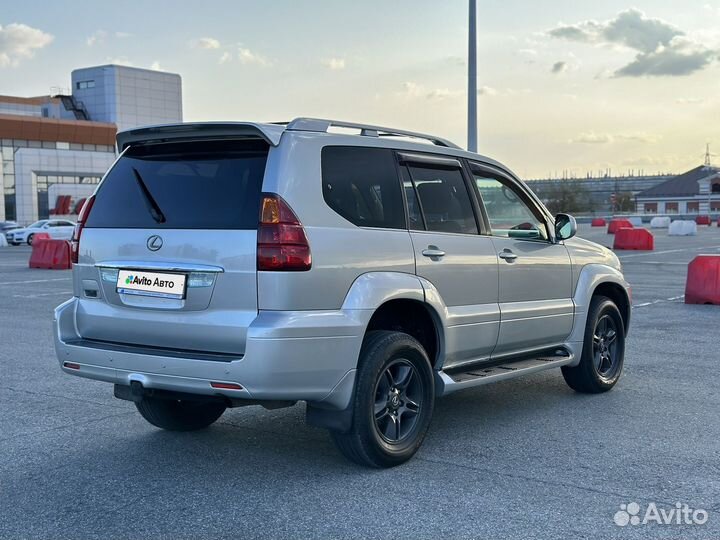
308	356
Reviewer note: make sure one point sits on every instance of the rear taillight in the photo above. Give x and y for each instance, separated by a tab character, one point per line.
282	243
82	218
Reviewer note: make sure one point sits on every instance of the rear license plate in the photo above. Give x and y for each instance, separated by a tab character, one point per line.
151	284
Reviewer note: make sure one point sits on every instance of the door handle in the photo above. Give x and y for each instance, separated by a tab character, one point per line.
507	255
433	251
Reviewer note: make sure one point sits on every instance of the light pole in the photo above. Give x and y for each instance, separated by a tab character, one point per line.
472	77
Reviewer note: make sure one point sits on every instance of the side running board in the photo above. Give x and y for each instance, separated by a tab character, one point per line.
447	383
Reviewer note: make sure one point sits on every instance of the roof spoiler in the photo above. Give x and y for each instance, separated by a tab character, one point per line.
205	130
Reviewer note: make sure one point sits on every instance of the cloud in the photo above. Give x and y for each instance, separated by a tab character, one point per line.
246	56
455	60
679	58
487	91
206	43
100	36
592	138
639	136
96	38
226	57
19	41
411	89
559	67
662	49
443	93
689	101
334	63
156	66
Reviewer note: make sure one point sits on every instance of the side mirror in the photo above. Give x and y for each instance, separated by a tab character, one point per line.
565	226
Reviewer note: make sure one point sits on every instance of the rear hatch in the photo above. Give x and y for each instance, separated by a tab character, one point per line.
170	246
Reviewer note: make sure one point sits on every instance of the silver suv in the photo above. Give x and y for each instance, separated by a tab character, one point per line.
363	270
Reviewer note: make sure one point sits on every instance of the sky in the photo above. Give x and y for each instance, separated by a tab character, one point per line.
565	86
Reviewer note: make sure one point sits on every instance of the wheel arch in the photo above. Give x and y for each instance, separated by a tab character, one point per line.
404	296
413	317
600	279
619	296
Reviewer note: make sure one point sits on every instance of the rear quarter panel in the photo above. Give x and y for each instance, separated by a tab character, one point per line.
341	251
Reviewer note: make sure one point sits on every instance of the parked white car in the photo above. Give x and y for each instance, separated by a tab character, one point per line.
60	229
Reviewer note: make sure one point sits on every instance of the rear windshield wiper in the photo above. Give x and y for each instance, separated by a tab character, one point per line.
150	202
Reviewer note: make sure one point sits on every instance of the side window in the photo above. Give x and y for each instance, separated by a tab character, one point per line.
509	215
361	185
443	199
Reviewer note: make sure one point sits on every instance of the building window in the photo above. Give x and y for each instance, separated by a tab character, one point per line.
693	207
716	187
82	85
651	207
671	208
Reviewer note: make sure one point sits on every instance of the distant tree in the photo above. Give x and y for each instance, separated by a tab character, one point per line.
625	202
566	196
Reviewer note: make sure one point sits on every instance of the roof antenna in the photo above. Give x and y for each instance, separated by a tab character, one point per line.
708	155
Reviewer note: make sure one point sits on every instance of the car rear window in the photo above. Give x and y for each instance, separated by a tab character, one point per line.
361	184
188	185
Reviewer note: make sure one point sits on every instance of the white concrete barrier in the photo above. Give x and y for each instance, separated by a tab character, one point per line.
682	228
3	241
660	222
636	221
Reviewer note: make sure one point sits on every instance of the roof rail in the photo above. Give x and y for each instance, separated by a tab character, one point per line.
322	126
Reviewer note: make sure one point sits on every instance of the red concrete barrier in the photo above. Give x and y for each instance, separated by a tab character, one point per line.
719	222
703	280
39	237
703	220
50	254
616	224
640	239
598	222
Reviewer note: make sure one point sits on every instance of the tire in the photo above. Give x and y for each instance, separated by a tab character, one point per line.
178	415
29	239
603	353
392	404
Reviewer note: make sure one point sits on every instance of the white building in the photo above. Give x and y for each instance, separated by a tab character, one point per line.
694	192
128	97
55	149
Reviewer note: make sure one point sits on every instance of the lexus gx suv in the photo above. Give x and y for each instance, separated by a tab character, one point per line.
363	270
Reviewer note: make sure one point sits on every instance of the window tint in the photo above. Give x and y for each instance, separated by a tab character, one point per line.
361	185
190	185
508	214
444	200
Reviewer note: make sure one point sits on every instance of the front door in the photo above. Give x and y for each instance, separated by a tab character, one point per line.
535	274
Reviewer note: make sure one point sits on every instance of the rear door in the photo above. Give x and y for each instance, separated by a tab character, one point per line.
170	246
535	294
452	255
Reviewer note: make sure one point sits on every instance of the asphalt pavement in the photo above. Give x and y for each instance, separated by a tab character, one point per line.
527	458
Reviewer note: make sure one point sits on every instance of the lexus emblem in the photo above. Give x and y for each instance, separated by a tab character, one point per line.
154	242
